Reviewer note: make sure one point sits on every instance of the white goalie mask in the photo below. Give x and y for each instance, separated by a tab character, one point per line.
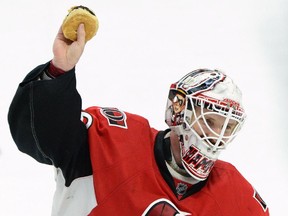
204	109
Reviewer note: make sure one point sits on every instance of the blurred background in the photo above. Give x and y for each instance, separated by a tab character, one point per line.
141	47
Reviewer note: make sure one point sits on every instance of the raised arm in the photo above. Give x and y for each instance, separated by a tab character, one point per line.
44	116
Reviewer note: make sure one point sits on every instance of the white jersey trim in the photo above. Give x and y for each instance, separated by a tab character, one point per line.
76	200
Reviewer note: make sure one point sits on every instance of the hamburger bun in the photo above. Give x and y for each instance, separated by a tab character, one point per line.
77	15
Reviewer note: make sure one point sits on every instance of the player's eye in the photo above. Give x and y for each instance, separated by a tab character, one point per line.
210	123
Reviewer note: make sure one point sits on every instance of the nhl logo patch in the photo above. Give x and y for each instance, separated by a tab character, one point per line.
181	188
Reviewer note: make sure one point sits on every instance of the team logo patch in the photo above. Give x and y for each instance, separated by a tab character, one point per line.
260	200
162	207
114	116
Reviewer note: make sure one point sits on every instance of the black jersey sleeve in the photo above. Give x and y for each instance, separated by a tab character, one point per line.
45	122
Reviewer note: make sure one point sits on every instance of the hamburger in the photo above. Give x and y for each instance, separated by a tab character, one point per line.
77	15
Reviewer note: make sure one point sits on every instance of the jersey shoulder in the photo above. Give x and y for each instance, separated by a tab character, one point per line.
106	124
114	117
226	180
229	176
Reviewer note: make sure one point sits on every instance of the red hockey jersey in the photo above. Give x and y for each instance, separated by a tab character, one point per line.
111	162
129	174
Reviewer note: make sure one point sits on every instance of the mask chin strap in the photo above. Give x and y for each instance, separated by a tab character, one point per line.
220	138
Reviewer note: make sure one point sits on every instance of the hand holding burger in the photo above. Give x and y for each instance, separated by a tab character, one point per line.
79	26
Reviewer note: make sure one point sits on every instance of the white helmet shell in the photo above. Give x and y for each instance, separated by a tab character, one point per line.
192	102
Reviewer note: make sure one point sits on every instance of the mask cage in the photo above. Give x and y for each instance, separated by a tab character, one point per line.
200	119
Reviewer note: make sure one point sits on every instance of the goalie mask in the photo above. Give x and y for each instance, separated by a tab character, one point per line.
204	109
